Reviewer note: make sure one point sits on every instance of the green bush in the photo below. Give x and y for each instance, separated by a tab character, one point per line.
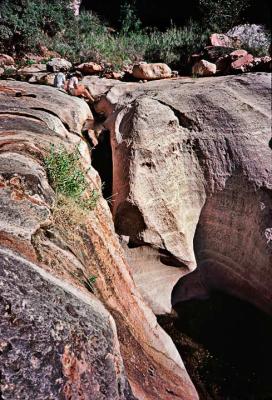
129	20
26	23
68	178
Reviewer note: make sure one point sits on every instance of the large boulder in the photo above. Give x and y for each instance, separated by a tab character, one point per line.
204	68
221	40
150	72
57	64
90	68
192	186
33	241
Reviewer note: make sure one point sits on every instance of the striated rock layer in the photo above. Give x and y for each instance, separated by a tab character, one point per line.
66	340
192	186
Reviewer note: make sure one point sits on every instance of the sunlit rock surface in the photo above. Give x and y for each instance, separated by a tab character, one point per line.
192	184
32	301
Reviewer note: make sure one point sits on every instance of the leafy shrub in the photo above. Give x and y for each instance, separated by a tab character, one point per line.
25	23
128	18
68	178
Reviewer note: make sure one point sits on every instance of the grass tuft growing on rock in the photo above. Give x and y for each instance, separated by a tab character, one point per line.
68	179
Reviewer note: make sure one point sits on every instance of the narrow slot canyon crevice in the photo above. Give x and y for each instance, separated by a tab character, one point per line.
102	162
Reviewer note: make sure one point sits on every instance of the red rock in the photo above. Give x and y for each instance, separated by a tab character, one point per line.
219	39
90	68
6	60
242	63
45	53
238	54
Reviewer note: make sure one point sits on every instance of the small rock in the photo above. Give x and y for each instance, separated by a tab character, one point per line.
6	60
90	68
2	71
151	71
56	64
204	68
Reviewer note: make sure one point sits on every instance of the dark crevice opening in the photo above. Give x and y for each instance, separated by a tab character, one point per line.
102	162
225	344
169	259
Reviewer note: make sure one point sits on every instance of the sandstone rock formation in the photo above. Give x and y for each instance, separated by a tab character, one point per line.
204	68
221	40
56	64
90	68
35	249
151	71
55	342
240	60
192	186
6	60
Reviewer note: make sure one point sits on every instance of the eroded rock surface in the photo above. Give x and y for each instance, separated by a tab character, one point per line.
192	181
32	118
55	342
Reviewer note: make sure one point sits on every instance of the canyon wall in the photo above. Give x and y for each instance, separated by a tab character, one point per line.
192	186
57	340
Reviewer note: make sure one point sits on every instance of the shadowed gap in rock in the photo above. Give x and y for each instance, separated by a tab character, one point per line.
102	162
225	344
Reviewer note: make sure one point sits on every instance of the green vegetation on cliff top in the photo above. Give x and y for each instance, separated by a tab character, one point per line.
27	24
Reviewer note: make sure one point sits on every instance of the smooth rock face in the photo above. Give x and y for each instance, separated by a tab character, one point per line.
55	342
31	119
192	180
204	68
151	71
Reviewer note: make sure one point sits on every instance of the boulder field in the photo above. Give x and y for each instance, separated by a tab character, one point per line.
57	340
192	186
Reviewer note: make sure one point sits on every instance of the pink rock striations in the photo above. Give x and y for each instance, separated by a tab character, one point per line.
69	347
192	186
